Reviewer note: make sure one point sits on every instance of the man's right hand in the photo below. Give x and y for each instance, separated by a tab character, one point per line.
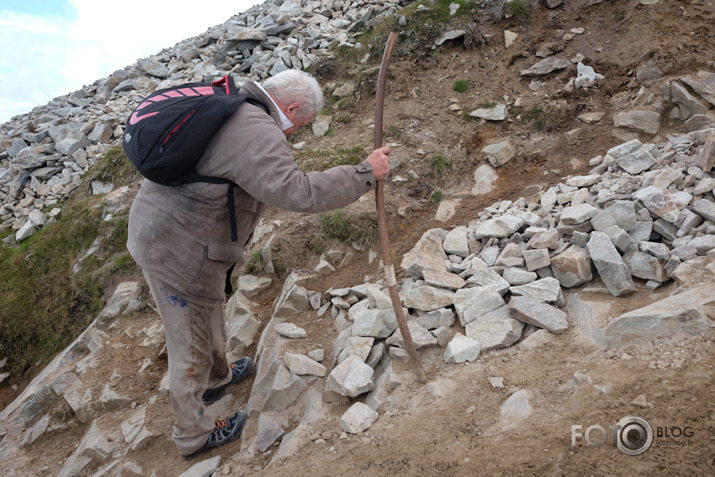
380	162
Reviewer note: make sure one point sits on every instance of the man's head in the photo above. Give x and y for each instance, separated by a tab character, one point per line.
297	94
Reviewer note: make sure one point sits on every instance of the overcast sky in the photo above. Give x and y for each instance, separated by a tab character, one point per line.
53	47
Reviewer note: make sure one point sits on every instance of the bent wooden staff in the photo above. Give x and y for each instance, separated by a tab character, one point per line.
382	216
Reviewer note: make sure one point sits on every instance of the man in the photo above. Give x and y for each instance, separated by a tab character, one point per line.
180	237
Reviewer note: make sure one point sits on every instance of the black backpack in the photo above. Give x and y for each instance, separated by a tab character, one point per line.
168	132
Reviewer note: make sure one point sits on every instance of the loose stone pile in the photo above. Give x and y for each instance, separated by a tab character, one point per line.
45	153
642	217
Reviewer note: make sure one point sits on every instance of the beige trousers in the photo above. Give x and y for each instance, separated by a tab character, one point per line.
196	343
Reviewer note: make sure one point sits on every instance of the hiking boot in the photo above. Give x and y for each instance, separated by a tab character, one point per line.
225	431
239	370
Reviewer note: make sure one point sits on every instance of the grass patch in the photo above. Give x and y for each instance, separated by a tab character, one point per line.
440	163
520	10
489	104
45	304
460	86
539	118
322	159
436	197
337	225
254	265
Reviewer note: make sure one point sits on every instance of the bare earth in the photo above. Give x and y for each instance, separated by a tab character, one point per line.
452	424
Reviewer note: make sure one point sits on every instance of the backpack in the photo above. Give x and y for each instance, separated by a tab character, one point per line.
168	132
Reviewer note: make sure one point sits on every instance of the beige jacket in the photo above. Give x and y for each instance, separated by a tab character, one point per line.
181	235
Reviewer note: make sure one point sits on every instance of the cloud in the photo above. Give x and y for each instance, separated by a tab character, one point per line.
44	57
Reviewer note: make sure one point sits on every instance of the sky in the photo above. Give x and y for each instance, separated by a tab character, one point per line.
49	48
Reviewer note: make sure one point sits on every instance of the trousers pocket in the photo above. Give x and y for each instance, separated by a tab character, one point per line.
224	253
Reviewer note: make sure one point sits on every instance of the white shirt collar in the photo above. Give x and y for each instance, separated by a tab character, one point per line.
285	122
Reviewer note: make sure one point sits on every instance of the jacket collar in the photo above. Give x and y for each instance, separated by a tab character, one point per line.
257	90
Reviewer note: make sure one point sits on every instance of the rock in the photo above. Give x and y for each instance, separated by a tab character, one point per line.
591	118
645	266
572	267
500	227
472	303
705	208
707	158
251	285
546	66
268	432
321	124
545	290
684	314
443	317
460	349
664	203
241	330
536	258
290	330
427	253
350	378
484	178
443	280
529	310
376	323
68	138
427	298
302	365
455	243
516	408
496	113
495	329
205	468
702	83
578	214
285	390
516	276
489	278
449	35
358	418
643	121
632	157
377	299
688	103
509	38
419	334
359	346
610	265
498	154
621	213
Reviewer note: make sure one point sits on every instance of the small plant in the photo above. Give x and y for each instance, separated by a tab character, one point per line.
440	163
436	197
520	10
460	86
540	118
337	225
489	104
317	245
254	263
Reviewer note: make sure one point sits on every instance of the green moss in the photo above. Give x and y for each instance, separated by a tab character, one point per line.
45	304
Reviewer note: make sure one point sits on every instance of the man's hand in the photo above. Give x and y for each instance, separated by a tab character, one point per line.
380	162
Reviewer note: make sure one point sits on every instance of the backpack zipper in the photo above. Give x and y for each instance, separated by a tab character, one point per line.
171	133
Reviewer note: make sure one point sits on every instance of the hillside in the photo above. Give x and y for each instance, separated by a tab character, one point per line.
102	409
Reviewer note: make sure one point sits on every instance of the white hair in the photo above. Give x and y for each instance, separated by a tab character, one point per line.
295	85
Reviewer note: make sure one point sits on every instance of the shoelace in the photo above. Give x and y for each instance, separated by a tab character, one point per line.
220	424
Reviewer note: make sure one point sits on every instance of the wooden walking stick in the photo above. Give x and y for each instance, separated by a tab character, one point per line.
382	216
